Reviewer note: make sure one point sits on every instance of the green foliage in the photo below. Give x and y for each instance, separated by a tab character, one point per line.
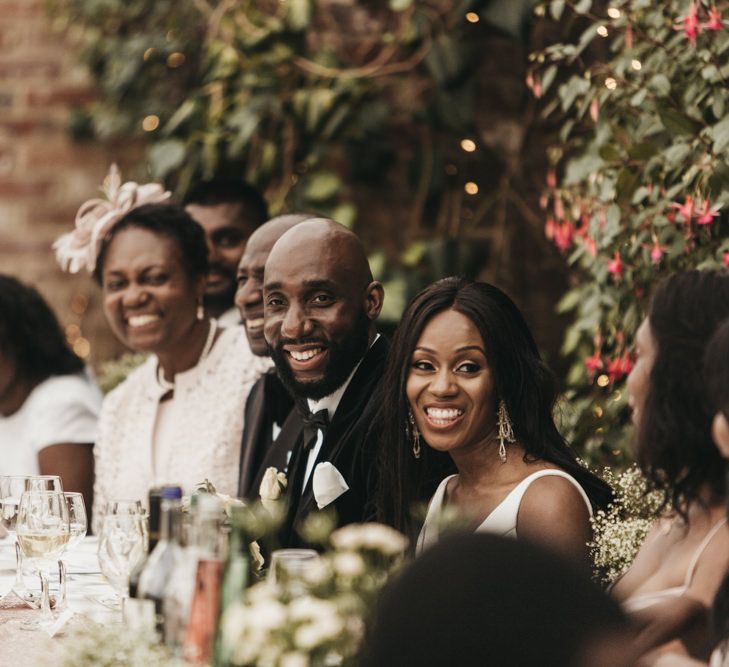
640	179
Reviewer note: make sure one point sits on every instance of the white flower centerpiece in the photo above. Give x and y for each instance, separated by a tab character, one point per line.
321	619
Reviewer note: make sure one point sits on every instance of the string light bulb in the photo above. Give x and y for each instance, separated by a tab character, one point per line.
471	188
614	13
473	17
603	380
602	31
468	145
150	123
610	83
636	65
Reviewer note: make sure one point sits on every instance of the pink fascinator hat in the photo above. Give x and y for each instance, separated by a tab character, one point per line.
79	249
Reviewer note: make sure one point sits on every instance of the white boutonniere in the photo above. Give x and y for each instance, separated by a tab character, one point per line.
272	488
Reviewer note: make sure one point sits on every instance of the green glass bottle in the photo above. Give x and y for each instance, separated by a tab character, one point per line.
236	578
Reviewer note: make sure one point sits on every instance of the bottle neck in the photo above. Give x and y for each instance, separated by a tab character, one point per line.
170	521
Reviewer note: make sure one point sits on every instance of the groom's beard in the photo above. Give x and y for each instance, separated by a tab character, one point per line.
343	357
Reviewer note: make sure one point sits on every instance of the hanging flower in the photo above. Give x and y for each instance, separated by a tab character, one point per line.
590	246
594	363
629	37
615	265
657	251
714	23
550	228
706	212
594	110
563	235
725	259
619	367
690	24
685	210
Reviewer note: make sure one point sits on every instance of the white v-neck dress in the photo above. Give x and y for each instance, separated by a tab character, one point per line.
502	520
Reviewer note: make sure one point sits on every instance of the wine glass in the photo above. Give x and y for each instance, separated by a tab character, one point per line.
77	519
122	546
12	488
42	530
292	565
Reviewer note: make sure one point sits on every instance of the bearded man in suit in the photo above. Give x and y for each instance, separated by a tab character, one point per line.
268	404
320	307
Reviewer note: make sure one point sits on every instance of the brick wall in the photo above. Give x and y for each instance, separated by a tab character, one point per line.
44	175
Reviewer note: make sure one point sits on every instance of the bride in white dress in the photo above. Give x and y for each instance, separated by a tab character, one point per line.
467	378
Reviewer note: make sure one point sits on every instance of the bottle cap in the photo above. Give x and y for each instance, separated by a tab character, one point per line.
171	493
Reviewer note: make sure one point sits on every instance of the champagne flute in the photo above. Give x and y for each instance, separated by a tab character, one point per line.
12	488
122	546
43	531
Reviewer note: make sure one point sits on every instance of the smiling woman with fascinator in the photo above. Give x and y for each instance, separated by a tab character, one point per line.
178	418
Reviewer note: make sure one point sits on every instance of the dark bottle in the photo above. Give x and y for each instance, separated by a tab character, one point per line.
163	560
236	578
153	533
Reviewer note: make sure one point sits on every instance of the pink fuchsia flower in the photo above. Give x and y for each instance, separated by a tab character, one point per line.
534	84
685	210
620	367
549	228
594	110
551	179
657	251
707	213
590	246
594	363
563	235
629	37
690	24
714	23
615	265
725	259
558	209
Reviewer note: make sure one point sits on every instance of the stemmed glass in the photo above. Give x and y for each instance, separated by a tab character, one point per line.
12	487
77	519
122	547
43	531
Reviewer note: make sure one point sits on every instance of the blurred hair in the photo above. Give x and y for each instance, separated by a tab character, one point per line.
716	369
482	599
30	335
254	211
675	448
521	380
170	221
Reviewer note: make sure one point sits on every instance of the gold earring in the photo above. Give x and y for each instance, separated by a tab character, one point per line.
506	430
412	433
200	311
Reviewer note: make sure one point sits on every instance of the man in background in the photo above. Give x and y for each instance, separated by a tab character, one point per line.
268	404
229	212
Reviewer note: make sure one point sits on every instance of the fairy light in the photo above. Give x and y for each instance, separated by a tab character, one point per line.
148	53
603	380
471	188
175	59
597	412
472	17
614	13
636	65
468	145
602	31
150	123
610	83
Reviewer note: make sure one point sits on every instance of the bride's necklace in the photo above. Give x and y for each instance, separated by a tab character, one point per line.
170	386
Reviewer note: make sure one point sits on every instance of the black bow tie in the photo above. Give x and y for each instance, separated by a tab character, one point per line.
313	423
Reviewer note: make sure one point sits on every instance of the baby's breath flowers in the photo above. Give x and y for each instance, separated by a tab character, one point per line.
619	531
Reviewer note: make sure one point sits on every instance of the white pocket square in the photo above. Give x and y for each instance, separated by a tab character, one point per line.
327	483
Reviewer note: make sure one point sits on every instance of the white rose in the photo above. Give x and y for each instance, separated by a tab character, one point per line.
348	565
272	487
318	631
375	536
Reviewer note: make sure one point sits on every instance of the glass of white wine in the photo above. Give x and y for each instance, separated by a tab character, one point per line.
43	531
12	487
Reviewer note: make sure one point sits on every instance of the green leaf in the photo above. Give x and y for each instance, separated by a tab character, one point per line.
720	135
639	97
660	85
569	301
677	123
583	6
166	156
400	5
322	186
414	253
184	111
345	214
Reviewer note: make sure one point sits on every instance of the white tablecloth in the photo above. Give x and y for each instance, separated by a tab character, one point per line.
86	586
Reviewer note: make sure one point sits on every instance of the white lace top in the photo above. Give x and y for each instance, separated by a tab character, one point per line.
503	518
205	419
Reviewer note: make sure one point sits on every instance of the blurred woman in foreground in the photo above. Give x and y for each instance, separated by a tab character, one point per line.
677	571
48	405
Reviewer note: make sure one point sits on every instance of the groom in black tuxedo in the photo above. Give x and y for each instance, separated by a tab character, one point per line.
320	305
268	404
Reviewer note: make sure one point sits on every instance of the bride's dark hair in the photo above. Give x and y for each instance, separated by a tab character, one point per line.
521	380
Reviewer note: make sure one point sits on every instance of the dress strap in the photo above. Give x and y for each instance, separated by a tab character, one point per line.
700	550
551	472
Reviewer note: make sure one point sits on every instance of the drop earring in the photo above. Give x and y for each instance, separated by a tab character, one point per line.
412	433
200	314
506	430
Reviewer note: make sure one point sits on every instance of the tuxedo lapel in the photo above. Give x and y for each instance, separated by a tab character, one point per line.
252	433
347	419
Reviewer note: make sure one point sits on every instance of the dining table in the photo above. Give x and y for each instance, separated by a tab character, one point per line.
89	599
